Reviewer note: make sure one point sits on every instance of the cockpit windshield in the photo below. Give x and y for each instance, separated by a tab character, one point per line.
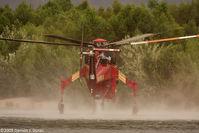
100	42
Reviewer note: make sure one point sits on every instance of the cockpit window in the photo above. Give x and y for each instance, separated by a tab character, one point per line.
99	44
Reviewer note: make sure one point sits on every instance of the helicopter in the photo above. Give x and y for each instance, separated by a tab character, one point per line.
100	70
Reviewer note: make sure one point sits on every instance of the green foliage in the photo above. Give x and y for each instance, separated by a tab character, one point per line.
64	4
7	48
84	5
116	7
152	4
7	18
142	19
50	9
191	27
109	13
119	22
24	13
101	11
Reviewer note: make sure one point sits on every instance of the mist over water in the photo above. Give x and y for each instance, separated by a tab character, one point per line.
29	108
28	113
157	114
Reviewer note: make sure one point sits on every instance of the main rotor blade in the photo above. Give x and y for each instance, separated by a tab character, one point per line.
127	41
133	39
164	40
40	42
67	39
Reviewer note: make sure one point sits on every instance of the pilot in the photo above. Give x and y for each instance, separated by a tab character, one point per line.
99	44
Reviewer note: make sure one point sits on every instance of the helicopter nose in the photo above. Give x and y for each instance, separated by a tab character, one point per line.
97	96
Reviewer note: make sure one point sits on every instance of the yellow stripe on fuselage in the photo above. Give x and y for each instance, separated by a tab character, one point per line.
75	76
122	77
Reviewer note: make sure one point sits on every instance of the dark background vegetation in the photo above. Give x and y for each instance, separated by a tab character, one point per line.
166	73
92	3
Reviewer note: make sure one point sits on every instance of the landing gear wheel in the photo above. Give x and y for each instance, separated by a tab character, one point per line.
61	108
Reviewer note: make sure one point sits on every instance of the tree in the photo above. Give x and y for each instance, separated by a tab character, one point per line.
4	22
183	13
119	22
64	4
50	9
163	19
6	18
152	4
101	11
84	5
108	13
140	18
7	48
197	17
191	27
116	7
8	13
24	13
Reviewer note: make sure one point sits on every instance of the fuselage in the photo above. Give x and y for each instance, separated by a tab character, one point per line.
99	73
104	84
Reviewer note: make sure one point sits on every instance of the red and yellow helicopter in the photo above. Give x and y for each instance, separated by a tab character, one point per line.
100	72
